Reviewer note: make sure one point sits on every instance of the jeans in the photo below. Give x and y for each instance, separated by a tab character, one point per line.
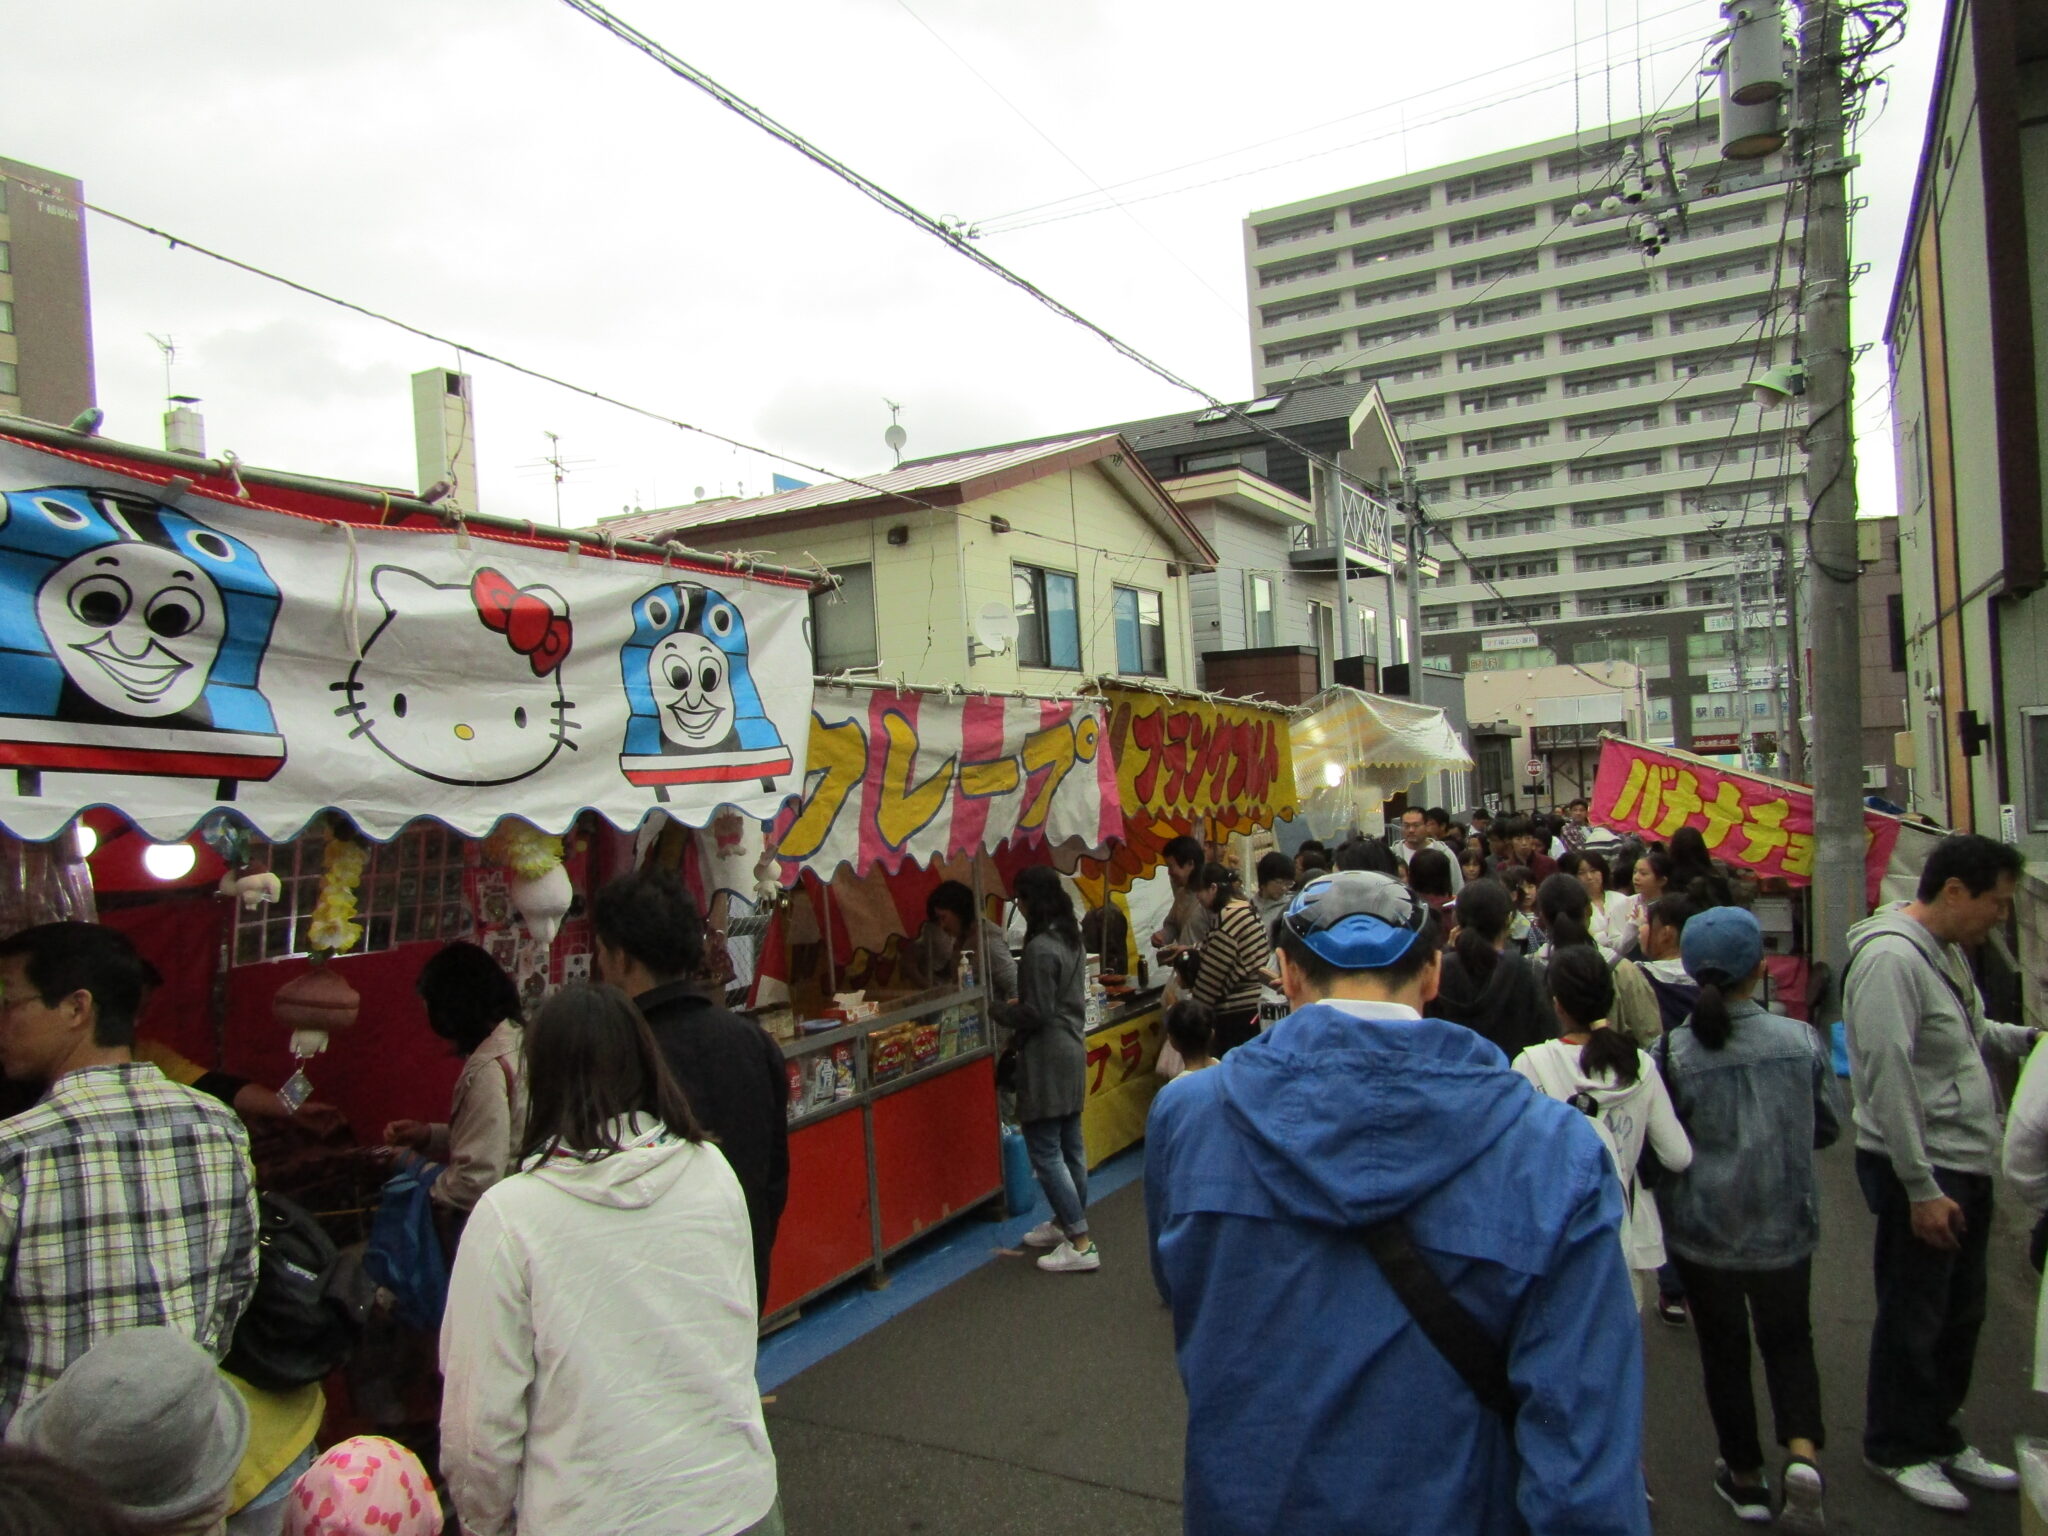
1724	1303
264	1514
1930	1306
1061	1163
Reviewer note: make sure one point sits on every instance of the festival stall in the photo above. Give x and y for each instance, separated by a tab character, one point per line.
893	1098
1354	751
1750	822
306	734
1186	765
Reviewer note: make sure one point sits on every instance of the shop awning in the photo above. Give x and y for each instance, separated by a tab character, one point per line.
1354	750
167	648
905	776
1190	763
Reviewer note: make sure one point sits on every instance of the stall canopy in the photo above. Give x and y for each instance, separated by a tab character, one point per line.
168	648
1353	750
1187	763
1746	819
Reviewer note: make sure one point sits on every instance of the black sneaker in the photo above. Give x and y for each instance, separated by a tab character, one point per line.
1750	1501
1671	1309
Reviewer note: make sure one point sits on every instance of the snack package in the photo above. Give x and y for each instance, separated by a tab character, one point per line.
796	1088
888	1053
924	1044
842	1059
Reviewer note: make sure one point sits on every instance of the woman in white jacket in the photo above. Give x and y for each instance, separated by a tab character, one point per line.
2026	1177
601	1325
1611	1078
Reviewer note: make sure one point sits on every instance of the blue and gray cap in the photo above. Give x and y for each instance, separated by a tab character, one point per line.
1357	920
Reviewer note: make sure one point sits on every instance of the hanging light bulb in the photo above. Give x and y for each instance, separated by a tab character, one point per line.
85	838
170	861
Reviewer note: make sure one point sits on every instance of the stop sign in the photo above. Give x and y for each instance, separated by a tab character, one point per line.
1534	769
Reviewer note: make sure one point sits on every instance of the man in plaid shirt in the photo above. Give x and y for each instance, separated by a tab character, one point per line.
125	1200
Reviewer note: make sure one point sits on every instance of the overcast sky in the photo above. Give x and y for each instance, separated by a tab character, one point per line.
504	172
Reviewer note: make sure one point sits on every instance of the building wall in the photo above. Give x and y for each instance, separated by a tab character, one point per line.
1975	634
1332	280
49	349
1220	602
1884	685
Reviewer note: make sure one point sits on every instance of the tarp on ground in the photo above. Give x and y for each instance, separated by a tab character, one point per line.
167	648
1189	763
1354	750
1759	823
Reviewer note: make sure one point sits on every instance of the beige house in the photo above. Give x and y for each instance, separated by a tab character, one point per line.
1553	716
1070	546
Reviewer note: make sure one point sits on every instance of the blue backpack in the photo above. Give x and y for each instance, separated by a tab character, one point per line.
405	1255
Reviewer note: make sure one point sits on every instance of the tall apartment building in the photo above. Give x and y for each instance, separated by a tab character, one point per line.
1577	406
45	301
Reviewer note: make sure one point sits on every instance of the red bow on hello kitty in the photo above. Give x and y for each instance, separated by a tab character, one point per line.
524	617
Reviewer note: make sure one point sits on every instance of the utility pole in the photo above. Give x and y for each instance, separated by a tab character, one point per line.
1831	498
1792	744
1330	507
1742	731
1411	503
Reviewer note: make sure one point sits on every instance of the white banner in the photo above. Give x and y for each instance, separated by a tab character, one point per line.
166	650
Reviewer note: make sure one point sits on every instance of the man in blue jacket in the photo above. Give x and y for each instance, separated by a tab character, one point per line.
1317	1405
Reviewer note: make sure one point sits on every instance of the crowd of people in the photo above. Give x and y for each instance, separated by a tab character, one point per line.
1498	1125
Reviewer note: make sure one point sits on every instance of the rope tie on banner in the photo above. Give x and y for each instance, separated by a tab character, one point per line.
351	621
611	540
461	528
233	463
383	508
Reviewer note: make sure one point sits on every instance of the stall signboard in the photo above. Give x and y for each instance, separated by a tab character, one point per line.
904	777
1758	823
1186	764
167	648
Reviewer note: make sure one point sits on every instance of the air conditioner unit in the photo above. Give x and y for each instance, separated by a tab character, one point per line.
1875	775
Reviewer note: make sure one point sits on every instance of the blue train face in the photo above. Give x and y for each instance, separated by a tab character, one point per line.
120	610
695	713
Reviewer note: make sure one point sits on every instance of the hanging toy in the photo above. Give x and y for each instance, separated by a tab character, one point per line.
539	886
314	1005
252	891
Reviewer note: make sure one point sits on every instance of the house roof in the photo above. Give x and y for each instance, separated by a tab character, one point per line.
1298	407
940	482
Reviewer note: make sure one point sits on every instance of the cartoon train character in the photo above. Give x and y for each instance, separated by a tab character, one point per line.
132	636
696	716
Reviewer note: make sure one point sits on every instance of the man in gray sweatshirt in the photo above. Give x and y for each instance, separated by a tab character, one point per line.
1926	1143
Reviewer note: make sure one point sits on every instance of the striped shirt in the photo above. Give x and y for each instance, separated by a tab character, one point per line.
126	1201
1237	949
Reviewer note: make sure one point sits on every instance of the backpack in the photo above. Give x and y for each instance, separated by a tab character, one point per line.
309	1307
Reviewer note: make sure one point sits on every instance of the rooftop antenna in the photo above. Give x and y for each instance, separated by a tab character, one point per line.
895	436
169	348
558	468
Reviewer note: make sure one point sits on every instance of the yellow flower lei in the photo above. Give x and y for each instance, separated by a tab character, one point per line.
332	928
523	848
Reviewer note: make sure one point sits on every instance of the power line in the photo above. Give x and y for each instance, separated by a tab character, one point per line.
1296	133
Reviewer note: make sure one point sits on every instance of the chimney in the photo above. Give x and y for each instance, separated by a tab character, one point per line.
185	428
444	435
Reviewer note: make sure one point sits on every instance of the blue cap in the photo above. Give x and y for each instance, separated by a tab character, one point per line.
1723	945
1357	920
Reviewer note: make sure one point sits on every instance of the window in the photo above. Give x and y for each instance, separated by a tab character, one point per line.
1711	319
1258	611
1715	271
1514	568
1297	229
1140	631
6	317
1720	409
1603	514
1609	379
1392	250
1618	336
1591	250
1393	293
1895	630
1403	330
1716	706
1579	428
1488	183
1605	293
1619	558
1312	346
1641	600
1708	647
1496	314
1493	227
1472	274
1653	655
1421	410
1499	357
10	381
1393	206
411	890
1287	314
843	622
1368	631
1616	469
1435	620
1511	661
6	257
1048	617
1401	373
1726	224
1507	484
1288	271
2034	743
1514	613
1509	526
1253	459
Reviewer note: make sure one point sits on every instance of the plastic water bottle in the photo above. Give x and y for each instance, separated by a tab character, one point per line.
966	970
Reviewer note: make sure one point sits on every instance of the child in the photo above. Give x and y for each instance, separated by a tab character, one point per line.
1191	1031
367	1486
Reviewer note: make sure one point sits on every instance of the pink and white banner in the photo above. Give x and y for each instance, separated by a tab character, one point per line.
900	778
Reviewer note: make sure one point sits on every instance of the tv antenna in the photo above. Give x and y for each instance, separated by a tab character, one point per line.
169	348
558	468
895	436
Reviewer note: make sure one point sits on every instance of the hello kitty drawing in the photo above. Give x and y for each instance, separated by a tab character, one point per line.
501	645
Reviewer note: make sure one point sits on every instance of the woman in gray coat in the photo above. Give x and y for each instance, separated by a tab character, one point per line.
1052	1067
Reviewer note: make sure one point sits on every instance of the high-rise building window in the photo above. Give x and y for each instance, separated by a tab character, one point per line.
1140	632
10	381
6	317
1048	617
1258	610
6	257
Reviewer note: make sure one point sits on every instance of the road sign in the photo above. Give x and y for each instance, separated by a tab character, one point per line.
1534	769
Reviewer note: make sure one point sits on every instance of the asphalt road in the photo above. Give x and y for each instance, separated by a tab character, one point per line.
1015	1401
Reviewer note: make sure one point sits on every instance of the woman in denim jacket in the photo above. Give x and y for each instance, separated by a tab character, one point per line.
1754	1093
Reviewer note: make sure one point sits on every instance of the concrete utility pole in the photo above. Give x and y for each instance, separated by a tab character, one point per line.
1330	507
1831	497
1742	728
1411	503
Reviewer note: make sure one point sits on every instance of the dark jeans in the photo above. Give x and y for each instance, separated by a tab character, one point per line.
1232	1030
1060	1159
1724	1304
1930	1306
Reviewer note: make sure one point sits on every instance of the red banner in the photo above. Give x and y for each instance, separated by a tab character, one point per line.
1760	824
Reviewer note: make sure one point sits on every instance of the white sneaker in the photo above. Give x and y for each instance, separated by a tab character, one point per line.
1805	1506
1046	1234
1924	1483
1973	1466
1069	1260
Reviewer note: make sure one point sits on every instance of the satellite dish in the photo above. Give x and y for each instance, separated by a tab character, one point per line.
996	628
895	436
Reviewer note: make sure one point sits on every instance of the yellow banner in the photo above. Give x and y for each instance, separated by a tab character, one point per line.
1121	1083
1185	765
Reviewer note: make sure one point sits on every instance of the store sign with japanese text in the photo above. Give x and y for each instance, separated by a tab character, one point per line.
905	777
168	648
1760	824
1184	764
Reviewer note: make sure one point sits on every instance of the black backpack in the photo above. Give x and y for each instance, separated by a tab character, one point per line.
309	1306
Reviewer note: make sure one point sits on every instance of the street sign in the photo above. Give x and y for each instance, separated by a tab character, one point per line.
1533	770
1727	743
